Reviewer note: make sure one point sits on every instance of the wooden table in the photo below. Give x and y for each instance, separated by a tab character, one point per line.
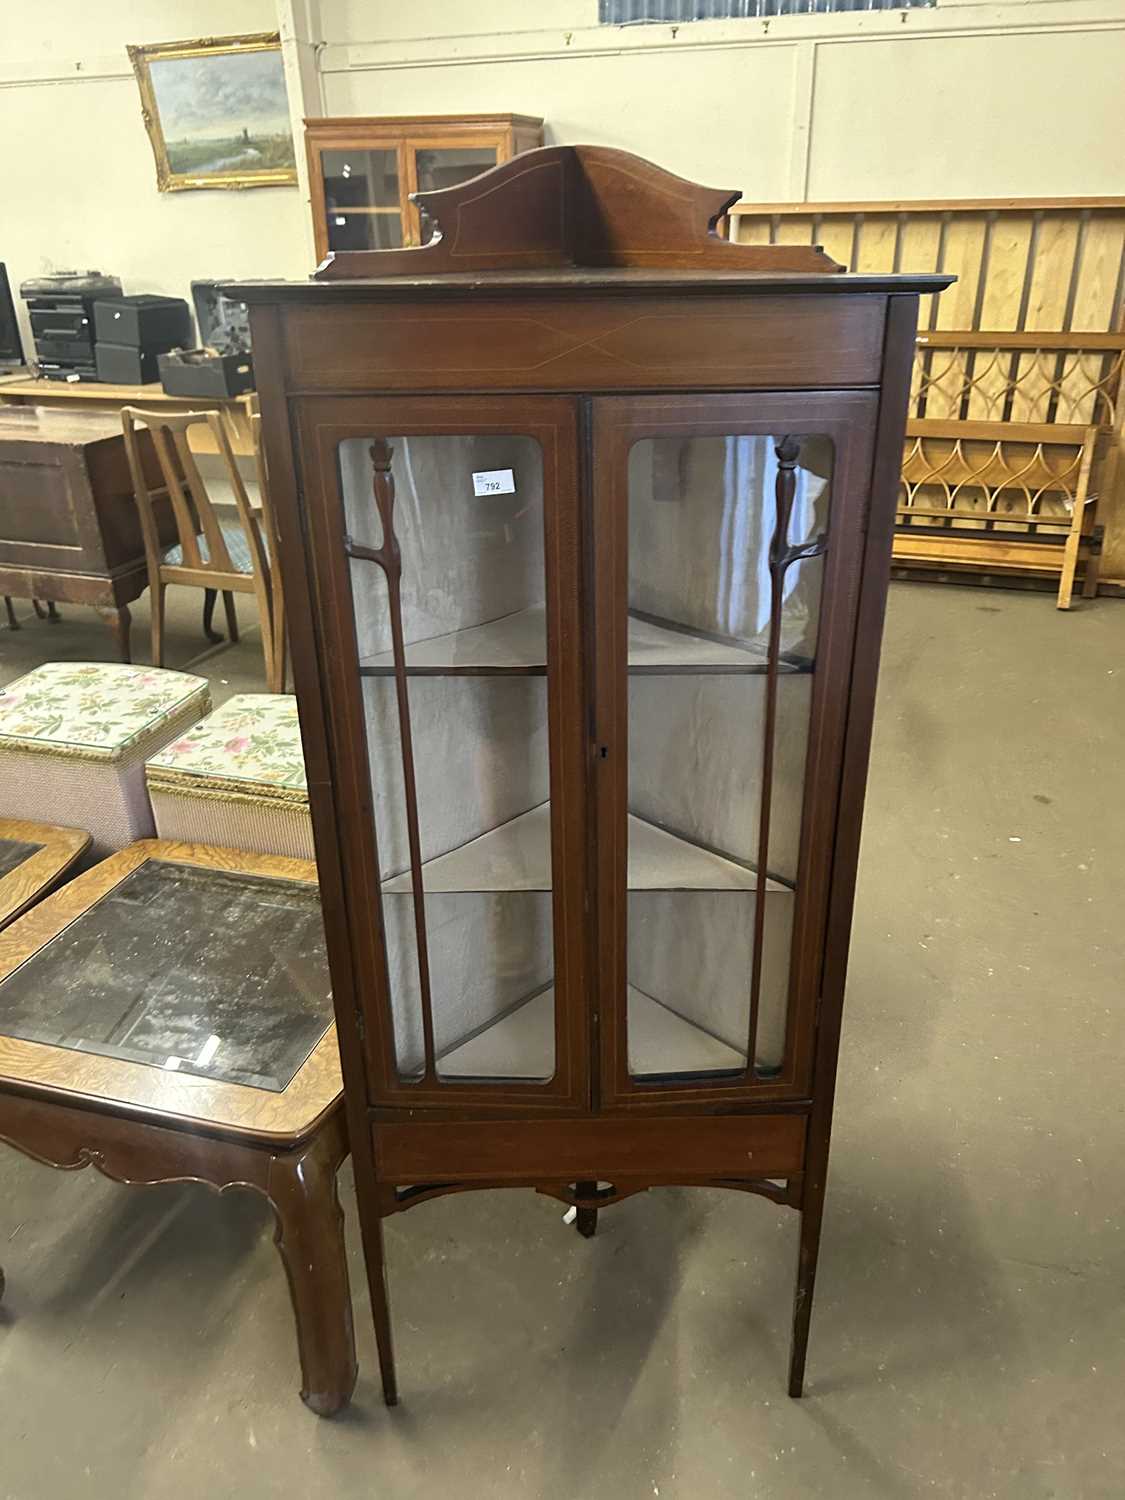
99	396
33	857
197	1048
69	527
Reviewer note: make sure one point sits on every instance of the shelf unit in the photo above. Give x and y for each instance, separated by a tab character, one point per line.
517	642
356	159
516	856
520	1044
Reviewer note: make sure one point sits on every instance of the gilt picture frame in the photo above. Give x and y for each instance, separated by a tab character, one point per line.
217	112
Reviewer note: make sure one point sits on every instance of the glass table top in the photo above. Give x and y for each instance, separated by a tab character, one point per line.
195	970
13	852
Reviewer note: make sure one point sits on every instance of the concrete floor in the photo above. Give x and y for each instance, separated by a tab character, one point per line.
80	635
968	1336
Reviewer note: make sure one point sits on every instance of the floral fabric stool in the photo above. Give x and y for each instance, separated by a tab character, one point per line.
237	779
74	737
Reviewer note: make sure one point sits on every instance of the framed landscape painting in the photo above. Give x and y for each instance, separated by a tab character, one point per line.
216	112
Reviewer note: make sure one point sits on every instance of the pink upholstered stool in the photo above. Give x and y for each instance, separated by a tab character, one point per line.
236	779
74	737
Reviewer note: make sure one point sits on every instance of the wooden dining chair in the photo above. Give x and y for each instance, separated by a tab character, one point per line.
227	555
269	521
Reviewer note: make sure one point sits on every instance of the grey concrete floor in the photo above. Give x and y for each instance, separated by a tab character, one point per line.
968	1335
79	634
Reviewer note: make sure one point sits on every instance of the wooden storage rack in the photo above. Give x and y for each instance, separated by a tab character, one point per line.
1011	440
1031	336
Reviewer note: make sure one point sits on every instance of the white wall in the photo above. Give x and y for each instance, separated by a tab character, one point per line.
1008	98
966	100
77	177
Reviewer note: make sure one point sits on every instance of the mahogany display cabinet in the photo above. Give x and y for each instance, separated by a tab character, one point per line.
586	521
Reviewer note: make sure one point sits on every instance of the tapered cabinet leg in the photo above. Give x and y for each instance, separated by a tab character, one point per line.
586	1219
310	1239
812	1214
380	1304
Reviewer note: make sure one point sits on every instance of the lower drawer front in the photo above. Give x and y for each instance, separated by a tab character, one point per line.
563	1150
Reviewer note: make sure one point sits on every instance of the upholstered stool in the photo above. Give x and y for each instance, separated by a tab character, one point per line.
74	737
237	779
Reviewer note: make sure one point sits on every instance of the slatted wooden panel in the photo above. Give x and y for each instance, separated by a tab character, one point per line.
1054	265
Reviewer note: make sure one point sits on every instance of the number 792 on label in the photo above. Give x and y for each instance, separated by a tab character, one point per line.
494	482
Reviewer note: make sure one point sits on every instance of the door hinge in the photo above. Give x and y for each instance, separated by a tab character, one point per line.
361	1025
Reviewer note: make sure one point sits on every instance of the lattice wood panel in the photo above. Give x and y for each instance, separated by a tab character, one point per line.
1000	497
1024	266
971	475
995	377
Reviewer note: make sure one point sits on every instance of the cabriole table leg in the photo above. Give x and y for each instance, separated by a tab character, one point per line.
310	1239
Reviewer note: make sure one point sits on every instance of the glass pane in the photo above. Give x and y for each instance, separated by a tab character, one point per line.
466	513
201	971
704	587
361	199
446	167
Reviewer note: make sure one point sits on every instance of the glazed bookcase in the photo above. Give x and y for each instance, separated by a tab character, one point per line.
364	171
586	519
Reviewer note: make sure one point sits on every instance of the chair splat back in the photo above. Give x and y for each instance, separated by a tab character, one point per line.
213	552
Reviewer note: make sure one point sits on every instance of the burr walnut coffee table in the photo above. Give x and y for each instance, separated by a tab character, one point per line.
33	858
167	1017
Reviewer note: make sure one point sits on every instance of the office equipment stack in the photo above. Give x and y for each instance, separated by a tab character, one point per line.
132	331
61	309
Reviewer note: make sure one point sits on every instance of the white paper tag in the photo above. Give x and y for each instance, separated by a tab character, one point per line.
494	482
207	1051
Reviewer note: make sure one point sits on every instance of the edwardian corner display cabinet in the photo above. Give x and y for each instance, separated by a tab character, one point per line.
586	521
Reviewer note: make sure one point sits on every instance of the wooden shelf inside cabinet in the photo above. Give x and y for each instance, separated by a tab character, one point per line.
588	864
517	643
522	1043
516	856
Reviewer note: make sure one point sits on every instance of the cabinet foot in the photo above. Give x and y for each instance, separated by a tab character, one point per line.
586	1219
808	1252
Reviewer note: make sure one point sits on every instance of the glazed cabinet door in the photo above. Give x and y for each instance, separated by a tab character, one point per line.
361	195
435	162
445	543
728	535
